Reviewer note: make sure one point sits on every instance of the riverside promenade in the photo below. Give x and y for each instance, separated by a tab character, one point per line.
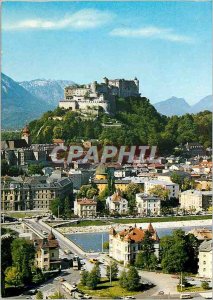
119	226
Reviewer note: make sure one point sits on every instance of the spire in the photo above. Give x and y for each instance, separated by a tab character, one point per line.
51	236
112	231
151	229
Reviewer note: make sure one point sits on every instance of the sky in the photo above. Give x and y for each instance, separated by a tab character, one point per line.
166	45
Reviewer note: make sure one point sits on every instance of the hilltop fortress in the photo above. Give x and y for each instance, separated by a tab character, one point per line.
90	96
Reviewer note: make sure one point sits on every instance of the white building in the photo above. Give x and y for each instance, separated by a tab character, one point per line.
205	259
147	205
117	204
194	200
124	245
85	208
173	188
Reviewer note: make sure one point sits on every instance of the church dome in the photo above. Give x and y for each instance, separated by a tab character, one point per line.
101	170
26	130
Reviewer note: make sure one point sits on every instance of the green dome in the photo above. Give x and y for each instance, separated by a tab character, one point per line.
101	170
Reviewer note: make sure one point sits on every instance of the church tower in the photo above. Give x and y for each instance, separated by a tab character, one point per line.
26	135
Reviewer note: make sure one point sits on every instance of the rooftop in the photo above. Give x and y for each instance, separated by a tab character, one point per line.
86	201
135	234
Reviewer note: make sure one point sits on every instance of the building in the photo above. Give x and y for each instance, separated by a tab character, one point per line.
173	188
166	176
194	200
80	177
194	149
147	205
33	193
85	208
205	259
116	204
101	179
202	234
21	152
124	245
92	96
47	253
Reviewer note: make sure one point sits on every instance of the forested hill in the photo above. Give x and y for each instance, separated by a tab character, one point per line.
136	122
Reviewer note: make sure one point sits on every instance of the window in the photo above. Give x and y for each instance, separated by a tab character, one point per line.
52	255
46	259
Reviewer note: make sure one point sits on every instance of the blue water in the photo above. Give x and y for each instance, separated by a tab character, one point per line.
92	242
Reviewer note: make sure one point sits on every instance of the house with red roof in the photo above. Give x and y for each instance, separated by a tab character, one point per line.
125	245
85	208
116	204
47	253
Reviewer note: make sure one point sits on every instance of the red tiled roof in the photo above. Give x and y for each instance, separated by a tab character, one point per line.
46	243
136	234
85	201
116	197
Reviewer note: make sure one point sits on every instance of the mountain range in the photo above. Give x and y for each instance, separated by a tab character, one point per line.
51	91
179	106
27	100
18	105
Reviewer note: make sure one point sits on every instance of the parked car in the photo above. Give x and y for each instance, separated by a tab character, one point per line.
67	251
86	296
32	291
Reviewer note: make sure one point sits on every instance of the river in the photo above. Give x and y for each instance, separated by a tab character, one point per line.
92	242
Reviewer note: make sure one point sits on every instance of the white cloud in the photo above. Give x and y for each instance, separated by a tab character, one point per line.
151	32
82	19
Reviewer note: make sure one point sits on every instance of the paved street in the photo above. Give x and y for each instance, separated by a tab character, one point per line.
162	282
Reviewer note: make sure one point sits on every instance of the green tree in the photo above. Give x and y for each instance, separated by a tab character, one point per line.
92	280
131	190
123	280
4	167
179	252
13	276
67	207
188	184
57	206
15	171
160	192
205	285
91	192
57	295
96	269
146	258
112	271
23	254
57	132
87	191
84	277
176	178
35	169
6	258
37	274
39	295
133	279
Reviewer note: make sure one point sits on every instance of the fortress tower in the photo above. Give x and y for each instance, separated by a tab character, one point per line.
26	135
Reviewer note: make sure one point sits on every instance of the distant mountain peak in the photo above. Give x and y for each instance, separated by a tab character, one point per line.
179	106
18	105
51	91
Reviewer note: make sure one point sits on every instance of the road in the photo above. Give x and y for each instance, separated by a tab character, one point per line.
162	282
